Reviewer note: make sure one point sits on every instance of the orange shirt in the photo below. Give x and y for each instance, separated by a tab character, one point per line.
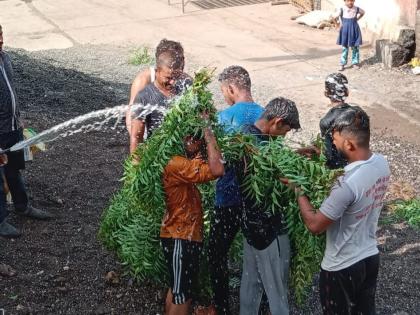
184	215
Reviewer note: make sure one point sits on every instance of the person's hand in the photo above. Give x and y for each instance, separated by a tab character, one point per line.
286	182
309	151
291	185
135	159
205	116
206	119
3	159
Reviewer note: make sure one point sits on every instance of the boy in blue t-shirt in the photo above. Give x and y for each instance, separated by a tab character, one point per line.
226	219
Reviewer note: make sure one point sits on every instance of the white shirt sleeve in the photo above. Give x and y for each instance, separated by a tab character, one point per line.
339	200
152	74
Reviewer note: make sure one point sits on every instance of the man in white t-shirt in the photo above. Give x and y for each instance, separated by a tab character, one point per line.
349	216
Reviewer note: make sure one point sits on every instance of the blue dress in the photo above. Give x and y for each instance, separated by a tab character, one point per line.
350	34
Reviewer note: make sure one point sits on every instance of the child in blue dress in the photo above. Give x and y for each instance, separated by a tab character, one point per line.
350	34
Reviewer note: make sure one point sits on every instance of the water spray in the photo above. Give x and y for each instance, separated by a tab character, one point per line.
93	121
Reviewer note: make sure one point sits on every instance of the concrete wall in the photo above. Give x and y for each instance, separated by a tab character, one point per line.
418	33
408	10
383	17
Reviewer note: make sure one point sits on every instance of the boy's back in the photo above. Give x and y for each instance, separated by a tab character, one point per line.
184	216
354	205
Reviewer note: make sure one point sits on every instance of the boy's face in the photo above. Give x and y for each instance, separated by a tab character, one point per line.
278	128
228	92
167	77
349	3
344	144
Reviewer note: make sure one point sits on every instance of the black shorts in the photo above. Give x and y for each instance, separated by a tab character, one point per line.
183	259
351	290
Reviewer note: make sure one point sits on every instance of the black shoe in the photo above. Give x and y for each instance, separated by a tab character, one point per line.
34	213
8	230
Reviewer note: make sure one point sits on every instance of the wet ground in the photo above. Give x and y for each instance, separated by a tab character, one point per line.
61	268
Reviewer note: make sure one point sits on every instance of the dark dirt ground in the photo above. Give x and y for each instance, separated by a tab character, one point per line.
61	266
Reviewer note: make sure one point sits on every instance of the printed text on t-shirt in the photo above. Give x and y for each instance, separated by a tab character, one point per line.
376	192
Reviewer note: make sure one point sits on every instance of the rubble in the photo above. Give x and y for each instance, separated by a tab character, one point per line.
395	54
317	18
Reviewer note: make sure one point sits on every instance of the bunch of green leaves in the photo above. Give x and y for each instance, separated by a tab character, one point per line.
131	224
409	211
265	164
141	56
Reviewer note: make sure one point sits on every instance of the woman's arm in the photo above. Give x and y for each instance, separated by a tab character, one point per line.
139	83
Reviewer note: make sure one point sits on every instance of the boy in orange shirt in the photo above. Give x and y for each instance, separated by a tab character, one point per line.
182	227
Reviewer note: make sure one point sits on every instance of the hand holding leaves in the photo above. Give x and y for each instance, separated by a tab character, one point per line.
292	186
3	159
309	152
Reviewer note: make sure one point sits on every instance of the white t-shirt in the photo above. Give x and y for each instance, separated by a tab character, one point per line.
354	204
152	74
348	13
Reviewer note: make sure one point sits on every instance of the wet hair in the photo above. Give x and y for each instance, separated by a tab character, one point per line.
237	76
336	87
169	59
198	135
174	47
283	108
355	122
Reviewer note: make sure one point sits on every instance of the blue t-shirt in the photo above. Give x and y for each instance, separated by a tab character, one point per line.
233	119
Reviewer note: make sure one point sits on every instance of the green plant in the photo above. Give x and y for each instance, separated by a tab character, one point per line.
388	219
131	224
141	56
408	211
265	165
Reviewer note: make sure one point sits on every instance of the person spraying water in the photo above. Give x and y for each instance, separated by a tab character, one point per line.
11	132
